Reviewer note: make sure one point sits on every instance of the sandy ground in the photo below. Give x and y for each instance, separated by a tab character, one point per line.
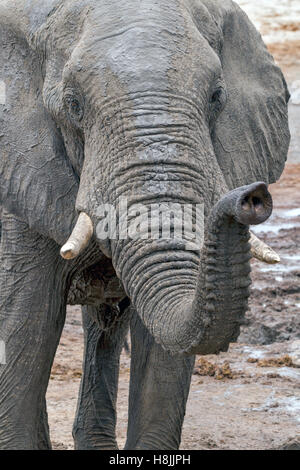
248	398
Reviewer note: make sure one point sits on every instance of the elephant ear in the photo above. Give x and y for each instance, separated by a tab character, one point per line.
251	136
37	182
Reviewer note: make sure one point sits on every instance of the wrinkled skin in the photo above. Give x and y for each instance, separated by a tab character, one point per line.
155	101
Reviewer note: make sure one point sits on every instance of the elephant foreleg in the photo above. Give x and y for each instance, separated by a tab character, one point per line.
95	422
32	312
159	387
44	442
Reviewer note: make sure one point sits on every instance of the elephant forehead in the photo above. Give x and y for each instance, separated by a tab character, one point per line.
145	45
124	34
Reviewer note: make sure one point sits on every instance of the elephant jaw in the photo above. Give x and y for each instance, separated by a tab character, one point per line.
83	232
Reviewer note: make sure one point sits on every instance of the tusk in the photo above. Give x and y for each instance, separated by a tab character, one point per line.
263	252
80	237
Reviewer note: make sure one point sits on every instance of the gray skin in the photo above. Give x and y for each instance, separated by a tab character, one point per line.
172	100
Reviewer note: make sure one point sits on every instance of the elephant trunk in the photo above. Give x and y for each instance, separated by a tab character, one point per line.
156	156
189	309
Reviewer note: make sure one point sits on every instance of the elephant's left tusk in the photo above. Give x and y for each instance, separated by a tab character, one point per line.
263	252
80	237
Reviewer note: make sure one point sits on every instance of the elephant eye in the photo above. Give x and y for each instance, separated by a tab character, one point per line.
75	107
218	100
216	96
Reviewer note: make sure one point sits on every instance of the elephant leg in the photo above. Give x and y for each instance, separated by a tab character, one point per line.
44	442
32	312
159	387
95	422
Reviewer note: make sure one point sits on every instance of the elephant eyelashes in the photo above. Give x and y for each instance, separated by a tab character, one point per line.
74	107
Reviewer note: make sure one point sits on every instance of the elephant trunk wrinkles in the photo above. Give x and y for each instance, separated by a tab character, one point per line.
194	312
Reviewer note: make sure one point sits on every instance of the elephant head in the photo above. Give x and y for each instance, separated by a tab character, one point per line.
159	102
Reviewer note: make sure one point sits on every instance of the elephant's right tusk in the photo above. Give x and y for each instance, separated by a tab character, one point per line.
80	237
263	252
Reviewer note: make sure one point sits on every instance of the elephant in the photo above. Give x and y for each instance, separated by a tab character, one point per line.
158	102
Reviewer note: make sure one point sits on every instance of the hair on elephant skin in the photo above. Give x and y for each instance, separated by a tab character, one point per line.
156	102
